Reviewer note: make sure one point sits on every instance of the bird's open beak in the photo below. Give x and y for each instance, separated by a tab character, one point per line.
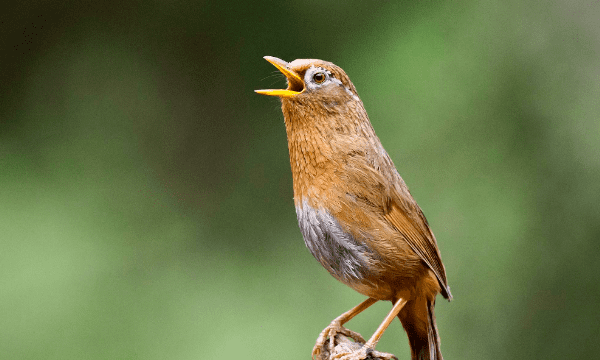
295	82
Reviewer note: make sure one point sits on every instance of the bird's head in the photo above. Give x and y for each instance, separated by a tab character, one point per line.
312	82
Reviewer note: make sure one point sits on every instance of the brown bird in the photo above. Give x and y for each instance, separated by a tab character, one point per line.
355	212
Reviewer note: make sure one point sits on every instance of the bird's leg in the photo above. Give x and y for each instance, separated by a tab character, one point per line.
386	322
369	347
336	327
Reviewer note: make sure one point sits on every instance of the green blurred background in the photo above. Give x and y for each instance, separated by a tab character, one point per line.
146	204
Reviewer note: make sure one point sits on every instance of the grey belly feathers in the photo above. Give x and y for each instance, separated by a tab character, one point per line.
335	249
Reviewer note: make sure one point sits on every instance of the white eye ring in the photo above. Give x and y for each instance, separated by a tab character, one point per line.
319	77
316	77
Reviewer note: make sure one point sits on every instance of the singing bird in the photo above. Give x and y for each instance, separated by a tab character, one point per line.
355	212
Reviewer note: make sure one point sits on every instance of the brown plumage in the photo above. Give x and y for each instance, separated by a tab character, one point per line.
355	212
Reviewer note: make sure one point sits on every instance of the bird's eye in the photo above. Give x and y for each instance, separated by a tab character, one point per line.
319	77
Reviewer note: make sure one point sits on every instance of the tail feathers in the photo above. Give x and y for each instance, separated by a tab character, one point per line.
418	319
432	334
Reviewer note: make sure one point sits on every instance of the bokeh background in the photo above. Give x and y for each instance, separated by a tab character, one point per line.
146	204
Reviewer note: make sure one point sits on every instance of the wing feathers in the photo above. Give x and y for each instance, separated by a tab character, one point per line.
420	238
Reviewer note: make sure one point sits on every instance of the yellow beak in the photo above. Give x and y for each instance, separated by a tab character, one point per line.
292	77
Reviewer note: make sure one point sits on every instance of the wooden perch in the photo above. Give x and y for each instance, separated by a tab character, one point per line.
351	349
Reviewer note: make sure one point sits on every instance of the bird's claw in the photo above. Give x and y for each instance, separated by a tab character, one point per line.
330	332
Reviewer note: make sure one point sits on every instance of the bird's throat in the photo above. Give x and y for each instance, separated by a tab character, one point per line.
321	139
310	154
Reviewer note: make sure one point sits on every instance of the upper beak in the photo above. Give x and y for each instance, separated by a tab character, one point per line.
295	82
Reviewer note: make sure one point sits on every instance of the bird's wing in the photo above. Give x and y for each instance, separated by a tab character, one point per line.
409	220
371	184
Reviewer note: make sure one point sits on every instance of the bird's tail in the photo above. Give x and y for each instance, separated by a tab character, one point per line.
418	319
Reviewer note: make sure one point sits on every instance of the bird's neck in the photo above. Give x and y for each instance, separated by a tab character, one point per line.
319	142
310	159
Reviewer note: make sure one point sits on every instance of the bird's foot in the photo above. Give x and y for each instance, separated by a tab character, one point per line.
330	332
362	354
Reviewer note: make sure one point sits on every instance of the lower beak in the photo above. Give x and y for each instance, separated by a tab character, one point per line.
294	80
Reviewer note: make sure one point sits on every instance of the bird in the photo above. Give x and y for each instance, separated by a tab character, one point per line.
355	212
